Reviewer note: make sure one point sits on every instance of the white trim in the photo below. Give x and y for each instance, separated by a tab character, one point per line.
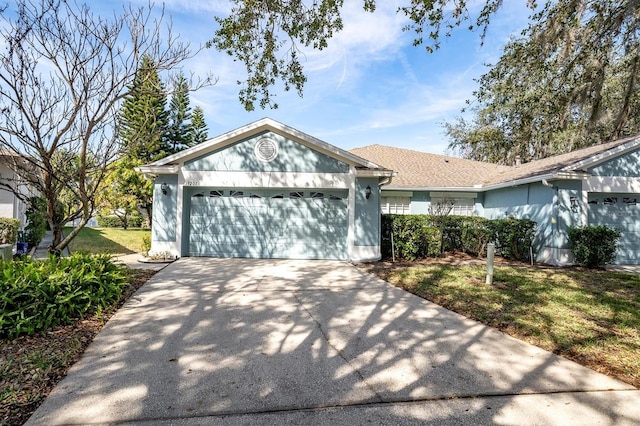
386	193
611	184
158	247
262	125
439	194
584	211
365	254
179	217
616	151
351	233
374	173
266	179
158	170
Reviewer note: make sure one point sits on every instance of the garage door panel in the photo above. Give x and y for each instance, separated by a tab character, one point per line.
622	212
293	225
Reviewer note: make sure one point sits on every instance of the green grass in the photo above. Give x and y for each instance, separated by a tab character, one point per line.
115	241
592	317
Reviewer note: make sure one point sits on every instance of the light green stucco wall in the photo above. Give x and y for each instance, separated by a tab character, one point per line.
165	209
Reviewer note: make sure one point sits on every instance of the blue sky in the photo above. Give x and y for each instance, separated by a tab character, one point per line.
371	86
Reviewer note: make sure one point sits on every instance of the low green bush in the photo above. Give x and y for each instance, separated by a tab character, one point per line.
419	236
513	237
413	236
594	246
36	295
9	230
113	221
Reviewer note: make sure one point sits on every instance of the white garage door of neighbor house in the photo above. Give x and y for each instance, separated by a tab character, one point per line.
286	224
621	211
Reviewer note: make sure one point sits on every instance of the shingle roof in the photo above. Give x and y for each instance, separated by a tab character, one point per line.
420	169
423	170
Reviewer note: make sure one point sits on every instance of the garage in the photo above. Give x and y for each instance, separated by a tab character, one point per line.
620	211
267	190
282	223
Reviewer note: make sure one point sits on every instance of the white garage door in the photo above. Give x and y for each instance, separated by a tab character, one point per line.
291	223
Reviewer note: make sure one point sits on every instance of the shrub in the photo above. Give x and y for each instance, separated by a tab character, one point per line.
113	221
37	295
413	236
36	221
146	244
417	236
513	237
594	246
9	230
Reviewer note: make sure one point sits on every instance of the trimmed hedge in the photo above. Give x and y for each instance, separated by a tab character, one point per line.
113	221
594	246
420	236
36	295
9	230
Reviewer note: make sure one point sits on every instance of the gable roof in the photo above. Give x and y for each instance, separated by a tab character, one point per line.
170	164
421	170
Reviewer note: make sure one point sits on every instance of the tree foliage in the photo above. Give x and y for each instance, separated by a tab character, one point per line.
267	37
63	74
197	128
570	81
179	116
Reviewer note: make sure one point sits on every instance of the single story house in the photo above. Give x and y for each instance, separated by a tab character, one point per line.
598	185
270	191
266	190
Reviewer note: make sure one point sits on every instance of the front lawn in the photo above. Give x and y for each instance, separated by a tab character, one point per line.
115	241
591	317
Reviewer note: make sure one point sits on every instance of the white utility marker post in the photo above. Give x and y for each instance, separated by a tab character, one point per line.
491	251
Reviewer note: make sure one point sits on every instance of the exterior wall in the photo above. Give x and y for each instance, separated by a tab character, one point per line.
7	199
292	157
367	213
624	165
165	216
420	202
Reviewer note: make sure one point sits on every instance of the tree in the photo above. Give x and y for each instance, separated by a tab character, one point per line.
126	191
570	81
63	74
144	120
197	128
179	115
265	36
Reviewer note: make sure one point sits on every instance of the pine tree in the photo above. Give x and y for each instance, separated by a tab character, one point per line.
179	116
197	128
143	122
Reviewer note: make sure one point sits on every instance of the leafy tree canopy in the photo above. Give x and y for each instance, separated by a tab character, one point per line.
267	36
570	81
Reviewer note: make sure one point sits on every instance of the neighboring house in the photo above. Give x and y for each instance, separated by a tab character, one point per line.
10	205
267	190
599	185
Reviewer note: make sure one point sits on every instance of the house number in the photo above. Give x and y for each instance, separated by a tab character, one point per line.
192	183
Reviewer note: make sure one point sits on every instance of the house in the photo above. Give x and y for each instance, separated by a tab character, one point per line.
10	205
598	185
266	190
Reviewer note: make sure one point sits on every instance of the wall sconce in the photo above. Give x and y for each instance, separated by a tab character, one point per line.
367	192
164	188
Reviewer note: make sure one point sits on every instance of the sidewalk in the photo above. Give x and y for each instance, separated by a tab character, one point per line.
42	251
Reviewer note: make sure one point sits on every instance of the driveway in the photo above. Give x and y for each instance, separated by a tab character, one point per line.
239	341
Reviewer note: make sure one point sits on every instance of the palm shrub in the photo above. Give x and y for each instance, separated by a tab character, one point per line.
37	295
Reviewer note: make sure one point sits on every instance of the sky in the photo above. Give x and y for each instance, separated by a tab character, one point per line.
371	86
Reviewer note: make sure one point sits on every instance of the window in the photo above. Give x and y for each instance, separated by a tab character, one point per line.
216	194
253	195
198	195
610	200
630	201
335	198
277	196
296	194
458	206
236	194
593	201
395	205
317	195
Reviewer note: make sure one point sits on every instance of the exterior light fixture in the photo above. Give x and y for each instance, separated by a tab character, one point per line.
574	203
164	188
367	192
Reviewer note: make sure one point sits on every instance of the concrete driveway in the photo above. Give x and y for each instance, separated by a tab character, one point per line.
238	341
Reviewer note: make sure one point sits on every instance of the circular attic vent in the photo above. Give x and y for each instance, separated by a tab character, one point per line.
266	150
